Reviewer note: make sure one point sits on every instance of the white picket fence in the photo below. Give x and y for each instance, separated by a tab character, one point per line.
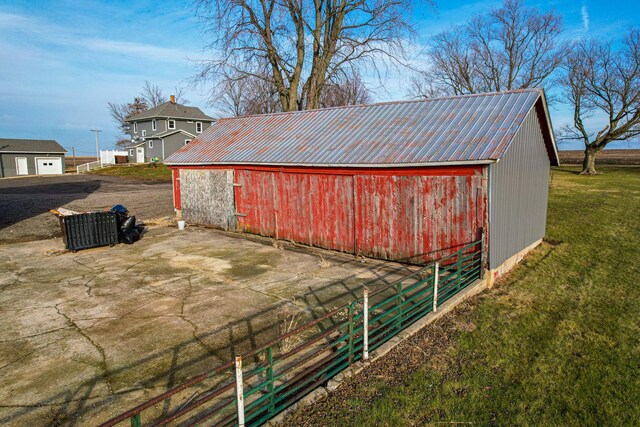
107	157
89	166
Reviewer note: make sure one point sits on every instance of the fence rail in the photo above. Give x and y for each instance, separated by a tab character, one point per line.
86	167
261	383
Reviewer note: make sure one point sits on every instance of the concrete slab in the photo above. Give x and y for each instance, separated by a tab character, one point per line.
88	335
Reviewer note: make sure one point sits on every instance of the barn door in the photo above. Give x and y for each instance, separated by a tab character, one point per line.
417	218
315	209
207	197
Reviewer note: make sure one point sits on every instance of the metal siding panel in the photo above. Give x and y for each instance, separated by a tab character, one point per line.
519	189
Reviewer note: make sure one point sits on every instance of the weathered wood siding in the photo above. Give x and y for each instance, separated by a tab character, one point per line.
206	197
316	209
418	218
407	217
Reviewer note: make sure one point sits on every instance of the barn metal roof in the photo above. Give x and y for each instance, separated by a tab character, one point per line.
453	130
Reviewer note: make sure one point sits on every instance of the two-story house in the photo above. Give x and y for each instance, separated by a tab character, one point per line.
160	131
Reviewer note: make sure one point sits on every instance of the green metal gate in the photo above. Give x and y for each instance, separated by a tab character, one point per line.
263	382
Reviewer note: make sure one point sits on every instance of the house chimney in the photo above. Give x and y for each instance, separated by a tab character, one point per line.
172	99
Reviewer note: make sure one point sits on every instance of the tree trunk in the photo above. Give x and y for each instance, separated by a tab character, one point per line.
589	162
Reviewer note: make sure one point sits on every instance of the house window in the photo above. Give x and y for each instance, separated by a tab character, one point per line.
131	152
144	132
171	124
154	125
186	141
151	144
135	127
198	127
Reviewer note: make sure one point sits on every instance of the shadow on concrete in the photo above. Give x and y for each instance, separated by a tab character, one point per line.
74	403
23	198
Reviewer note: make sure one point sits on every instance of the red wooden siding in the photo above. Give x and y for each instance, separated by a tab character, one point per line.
308	208
177	202
410	218
418	218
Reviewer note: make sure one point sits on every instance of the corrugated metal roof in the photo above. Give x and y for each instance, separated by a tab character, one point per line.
8	145
460	129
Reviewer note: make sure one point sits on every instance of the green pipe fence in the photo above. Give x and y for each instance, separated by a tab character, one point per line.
279	373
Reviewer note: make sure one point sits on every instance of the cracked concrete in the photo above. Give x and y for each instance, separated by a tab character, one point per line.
88	335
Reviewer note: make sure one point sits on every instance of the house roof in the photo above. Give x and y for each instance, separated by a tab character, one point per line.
171	132
170	110
136	144
10	145
453	130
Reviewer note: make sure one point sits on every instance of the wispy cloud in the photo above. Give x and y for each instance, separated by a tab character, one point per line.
140	50
585	18
51	33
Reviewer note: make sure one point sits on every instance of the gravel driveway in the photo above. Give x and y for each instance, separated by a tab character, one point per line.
25	202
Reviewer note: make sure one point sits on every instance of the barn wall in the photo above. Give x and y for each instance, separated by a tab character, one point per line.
518	195
418	218
206	197
310	208
411	218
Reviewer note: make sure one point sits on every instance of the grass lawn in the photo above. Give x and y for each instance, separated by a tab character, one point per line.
556	342
142	172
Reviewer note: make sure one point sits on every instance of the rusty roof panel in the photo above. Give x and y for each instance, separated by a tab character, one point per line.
455	129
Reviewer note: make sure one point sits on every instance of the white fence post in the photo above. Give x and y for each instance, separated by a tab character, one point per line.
435	286
365	344
239	391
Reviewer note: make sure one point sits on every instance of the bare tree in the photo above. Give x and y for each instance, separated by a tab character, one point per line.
510	47
303	44
420	85
348	91
602	80
121	112
154	96
243	95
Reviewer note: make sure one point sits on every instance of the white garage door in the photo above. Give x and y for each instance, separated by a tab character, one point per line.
48	165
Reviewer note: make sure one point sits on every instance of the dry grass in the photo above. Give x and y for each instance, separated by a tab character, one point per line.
606	157
323	263
289	319
143	172
164	221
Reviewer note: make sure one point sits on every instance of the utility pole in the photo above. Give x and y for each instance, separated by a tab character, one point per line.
73	150
97	147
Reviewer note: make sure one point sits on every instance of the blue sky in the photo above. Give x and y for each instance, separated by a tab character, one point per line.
64	60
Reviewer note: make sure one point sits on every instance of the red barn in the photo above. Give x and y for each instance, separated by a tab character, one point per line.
410	181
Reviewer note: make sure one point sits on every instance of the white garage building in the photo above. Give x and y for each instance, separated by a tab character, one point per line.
30	157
